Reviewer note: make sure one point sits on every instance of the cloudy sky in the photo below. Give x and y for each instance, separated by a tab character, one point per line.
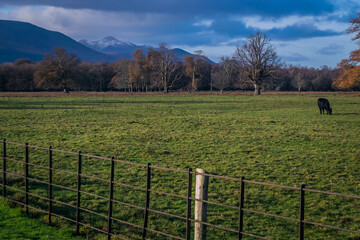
305	32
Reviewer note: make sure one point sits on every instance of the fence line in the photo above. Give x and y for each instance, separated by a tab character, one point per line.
110	198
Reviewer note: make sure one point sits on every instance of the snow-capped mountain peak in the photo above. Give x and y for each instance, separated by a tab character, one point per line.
106	42
123	50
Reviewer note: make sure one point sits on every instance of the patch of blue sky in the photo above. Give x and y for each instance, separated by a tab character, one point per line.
7	9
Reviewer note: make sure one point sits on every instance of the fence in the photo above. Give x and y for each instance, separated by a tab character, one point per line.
144	228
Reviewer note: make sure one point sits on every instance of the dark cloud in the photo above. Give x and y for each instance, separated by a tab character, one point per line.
295	57
225	29
299	32
178	17
332	49
193	23
190	7
182	32
231	28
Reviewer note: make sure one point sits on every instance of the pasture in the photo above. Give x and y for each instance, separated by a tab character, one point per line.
16	225
275	138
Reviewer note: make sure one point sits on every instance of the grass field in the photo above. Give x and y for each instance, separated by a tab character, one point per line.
15	225
272	138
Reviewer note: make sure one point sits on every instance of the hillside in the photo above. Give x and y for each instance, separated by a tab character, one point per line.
25	40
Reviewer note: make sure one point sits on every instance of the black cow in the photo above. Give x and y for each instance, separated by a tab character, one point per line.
324	104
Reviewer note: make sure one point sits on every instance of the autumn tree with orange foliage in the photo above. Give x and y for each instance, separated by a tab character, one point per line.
57	70
138	71
350	76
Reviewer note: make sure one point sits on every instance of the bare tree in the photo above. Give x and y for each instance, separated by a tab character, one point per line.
224	74
324	78
299	82
153	59
218	78
121	78
169	67
103	74
303	77
87	80
138	74
258	60
19	76
195	65
231	69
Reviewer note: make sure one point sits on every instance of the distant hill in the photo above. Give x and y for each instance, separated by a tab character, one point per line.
25	40
180	53
119	49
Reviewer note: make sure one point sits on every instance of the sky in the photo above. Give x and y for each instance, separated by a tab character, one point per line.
304	32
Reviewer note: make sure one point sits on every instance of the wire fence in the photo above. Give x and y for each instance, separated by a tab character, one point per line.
75	207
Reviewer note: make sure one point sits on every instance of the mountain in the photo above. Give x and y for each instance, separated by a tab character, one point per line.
25	40
113	47
120	50
110	44
180	53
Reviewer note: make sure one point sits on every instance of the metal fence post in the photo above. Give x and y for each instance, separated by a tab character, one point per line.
27	177
50	184
241	206
188	213
78	194
302	212
111	196
4	168
147	201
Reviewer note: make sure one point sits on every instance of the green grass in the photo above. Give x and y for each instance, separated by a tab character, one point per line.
17	226
279	139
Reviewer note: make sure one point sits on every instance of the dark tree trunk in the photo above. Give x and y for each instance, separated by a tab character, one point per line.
193	83
166	90
257	89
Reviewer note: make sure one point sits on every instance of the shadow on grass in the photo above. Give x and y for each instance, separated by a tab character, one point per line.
346	114
86	105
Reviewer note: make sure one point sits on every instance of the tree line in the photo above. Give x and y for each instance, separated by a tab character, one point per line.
156	70
254	66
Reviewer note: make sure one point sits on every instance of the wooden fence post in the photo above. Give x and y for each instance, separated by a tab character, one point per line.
201	193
